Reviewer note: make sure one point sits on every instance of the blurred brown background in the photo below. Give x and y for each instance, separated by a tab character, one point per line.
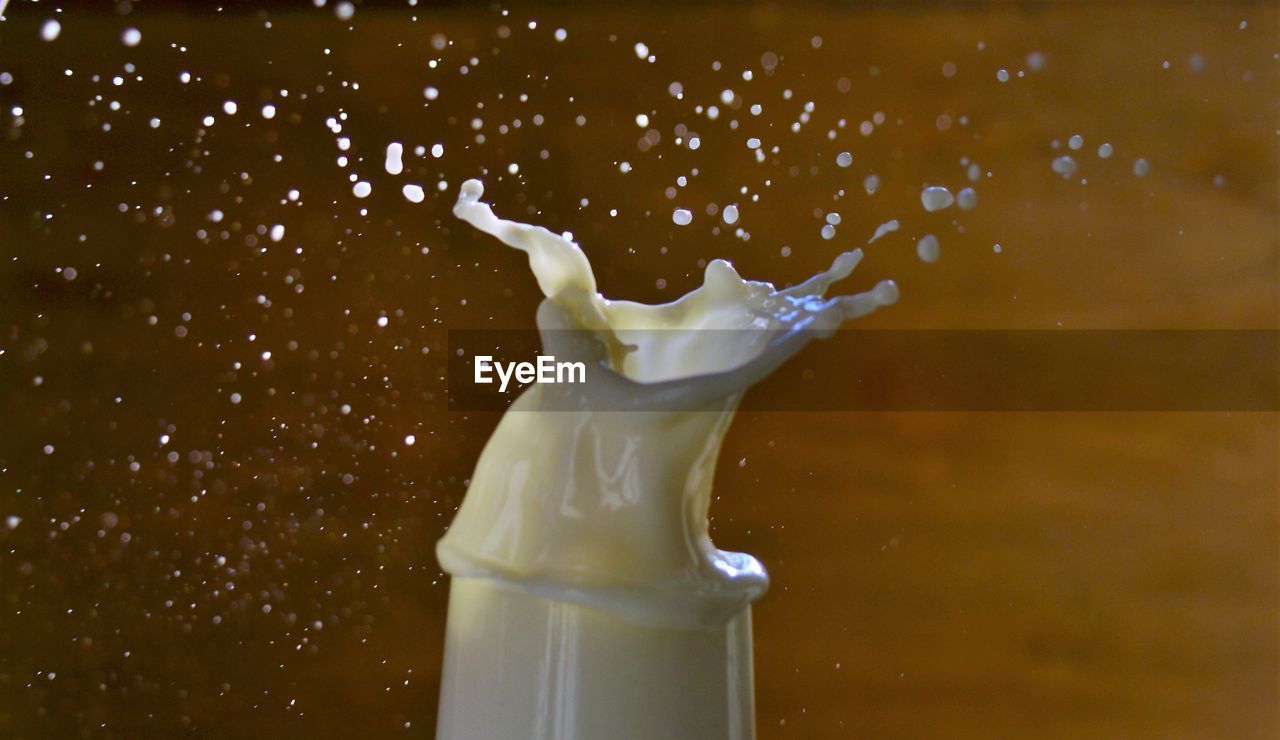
201	539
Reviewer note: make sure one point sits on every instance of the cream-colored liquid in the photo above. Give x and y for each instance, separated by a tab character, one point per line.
598	516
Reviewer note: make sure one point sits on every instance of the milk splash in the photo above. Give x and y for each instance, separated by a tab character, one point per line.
605	504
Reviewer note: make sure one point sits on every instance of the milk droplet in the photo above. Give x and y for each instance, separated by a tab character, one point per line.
437	150
1141	168
828	232
12	522
409	439
1035	61
1075	142
730	214
927	248
682	217
642	51
131	36
561	34
394	164
871	184
935	198
642	120
430	92
268	111
1104	151
844	159
362	189
885	228
50	30
1064	166
277	232
1003	75
344	10
413	193
230	107
966	199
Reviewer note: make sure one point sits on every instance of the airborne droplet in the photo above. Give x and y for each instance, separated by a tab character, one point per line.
935	198
394	163
927	248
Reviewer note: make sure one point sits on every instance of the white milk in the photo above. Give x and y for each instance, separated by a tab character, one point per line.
588	600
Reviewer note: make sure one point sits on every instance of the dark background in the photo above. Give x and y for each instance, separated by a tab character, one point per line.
267	569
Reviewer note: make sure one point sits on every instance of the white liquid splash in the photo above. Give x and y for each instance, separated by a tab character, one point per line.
606	504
